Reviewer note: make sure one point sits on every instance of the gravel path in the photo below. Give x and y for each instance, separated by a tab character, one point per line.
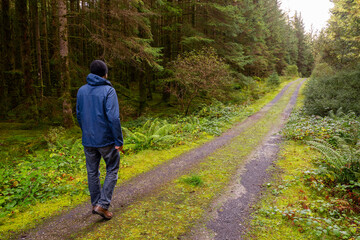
80	218
227	218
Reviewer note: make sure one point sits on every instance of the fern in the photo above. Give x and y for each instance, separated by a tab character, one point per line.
343	163
153	134
164	130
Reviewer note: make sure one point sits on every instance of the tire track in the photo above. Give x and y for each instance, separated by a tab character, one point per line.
80	218
228	216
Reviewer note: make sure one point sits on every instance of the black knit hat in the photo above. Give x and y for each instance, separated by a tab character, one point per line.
99	68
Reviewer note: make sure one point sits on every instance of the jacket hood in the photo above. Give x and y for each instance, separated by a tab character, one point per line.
95	80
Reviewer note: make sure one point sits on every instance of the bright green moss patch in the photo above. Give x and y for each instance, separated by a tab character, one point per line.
36	214
170	213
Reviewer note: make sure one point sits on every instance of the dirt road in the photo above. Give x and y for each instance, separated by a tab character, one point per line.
235	200
227	217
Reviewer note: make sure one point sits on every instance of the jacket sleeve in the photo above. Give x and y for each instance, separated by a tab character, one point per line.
78	110
112	113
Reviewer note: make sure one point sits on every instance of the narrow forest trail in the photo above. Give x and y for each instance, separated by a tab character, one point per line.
232	153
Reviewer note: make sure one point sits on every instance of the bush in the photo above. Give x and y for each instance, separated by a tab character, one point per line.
322	70
326	93
154	134
291	71
199	74
273	80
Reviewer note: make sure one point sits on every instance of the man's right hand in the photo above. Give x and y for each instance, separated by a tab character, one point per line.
120	149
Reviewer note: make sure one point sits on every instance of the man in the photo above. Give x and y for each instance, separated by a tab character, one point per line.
97	112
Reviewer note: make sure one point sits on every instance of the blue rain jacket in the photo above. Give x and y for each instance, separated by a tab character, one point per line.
97	111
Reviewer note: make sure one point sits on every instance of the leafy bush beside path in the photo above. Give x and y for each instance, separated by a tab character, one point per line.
340	91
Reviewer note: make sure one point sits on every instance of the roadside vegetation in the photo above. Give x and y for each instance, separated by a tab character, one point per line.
46	167
317	193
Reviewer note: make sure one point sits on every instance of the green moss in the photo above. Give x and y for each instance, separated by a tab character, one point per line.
286	192
170	213
37	213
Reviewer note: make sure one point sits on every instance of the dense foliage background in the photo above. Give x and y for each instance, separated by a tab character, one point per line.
47	46
335	83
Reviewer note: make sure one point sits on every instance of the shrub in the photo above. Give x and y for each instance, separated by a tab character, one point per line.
322	70
326	93
199	73
291	71
273	80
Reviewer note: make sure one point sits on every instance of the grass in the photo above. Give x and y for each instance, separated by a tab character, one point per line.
300	204
16	141
285	193
296	207
135	165
181	203
132	165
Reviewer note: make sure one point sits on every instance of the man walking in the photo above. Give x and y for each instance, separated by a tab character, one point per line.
97	112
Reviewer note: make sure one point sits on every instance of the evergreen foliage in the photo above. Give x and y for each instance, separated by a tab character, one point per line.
48	45
339	44
273	80
322	70
326	93
338	49
291	71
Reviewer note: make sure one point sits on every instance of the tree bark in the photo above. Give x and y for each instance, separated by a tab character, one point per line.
54	50
25	47
45	45
34	6
64	60
6	51
142	92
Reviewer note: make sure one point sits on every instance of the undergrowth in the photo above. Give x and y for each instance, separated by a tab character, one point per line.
53	165
317	195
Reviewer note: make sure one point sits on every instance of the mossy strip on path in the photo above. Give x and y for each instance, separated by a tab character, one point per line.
170	213
285	192
132	166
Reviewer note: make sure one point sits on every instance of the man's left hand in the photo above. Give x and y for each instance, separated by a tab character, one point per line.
120	149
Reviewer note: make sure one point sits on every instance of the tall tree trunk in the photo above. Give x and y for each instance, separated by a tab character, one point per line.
25	47
55	51
30	97
142	92
17	38
45	45
64	64
34	6
6	51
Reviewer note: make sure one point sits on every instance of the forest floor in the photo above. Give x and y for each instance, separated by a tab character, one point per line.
209	189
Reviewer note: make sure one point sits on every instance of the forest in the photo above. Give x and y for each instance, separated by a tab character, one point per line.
47	47
188	74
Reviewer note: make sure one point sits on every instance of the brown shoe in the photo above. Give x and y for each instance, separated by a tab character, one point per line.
103	212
